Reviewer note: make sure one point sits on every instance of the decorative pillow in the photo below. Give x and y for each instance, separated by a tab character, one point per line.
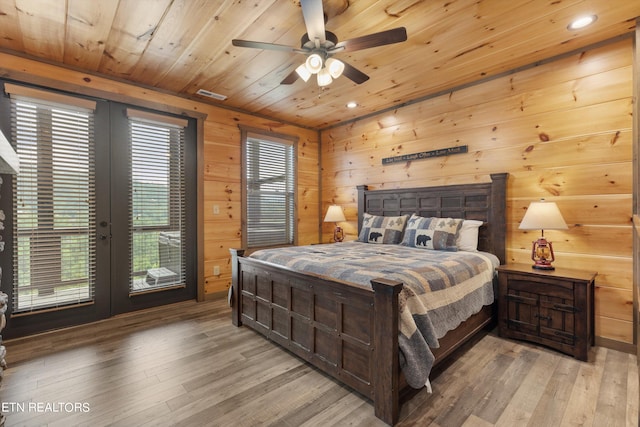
432	233
382	229
468	235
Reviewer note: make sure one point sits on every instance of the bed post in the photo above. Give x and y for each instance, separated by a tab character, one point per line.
235	286
361	204
386	392
499	215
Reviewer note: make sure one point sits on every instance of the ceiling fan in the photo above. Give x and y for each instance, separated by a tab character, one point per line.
319	45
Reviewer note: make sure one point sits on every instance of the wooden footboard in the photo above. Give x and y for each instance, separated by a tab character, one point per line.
347	331
351	331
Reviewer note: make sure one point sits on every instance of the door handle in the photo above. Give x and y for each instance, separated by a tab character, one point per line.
104	236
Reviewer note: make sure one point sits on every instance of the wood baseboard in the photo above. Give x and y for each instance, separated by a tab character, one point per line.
216	295
616	345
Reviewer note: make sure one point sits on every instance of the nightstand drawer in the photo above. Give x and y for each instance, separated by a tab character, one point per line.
560	289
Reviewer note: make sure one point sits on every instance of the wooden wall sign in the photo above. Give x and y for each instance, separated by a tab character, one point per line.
426	154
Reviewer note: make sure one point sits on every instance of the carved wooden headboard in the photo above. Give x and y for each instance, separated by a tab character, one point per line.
484	202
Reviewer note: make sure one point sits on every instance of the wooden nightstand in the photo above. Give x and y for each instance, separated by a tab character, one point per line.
552	308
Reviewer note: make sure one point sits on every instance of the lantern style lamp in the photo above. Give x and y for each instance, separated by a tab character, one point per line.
543	215
335	214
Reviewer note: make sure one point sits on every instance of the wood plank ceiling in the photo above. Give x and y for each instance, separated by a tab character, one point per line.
180	46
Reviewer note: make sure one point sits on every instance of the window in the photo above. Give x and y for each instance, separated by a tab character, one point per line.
157	201
54	200
269	189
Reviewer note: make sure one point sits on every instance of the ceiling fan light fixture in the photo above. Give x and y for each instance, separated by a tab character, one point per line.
324	78
319	45
335	67
314	63
303	72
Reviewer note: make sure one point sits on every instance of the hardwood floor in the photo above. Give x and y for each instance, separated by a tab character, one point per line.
185	364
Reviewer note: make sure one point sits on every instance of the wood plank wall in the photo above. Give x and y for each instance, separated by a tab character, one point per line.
636	187
222	177
636	275
222	170
563	131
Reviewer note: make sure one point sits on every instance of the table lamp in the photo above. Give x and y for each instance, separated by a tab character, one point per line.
540	216
335	214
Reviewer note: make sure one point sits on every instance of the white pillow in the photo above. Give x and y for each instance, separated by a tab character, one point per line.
468	235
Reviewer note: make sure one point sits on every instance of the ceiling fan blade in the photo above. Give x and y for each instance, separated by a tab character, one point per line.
261	45
290	79
313	15
395	35
354	74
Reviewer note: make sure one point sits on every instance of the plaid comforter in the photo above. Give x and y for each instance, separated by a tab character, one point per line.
441	289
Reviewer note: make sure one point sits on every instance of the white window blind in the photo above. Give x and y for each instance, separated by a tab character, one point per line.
156	202
54	201
270	192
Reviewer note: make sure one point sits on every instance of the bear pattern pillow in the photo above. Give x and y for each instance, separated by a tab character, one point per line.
382	229
432	233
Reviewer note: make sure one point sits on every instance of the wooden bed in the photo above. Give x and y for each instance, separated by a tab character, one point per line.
349	331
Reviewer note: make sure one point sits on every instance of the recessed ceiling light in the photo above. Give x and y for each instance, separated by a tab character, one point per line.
352	104
582	22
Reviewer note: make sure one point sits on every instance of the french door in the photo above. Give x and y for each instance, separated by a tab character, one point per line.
98	222
150	233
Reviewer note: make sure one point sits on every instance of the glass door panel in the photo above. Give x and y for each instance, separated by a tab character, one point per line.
149	222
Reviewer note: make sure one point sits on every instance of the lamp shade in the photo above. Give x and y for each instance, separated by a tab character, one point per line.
543	215
303	72
335	67
314	63
324	78
334	214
